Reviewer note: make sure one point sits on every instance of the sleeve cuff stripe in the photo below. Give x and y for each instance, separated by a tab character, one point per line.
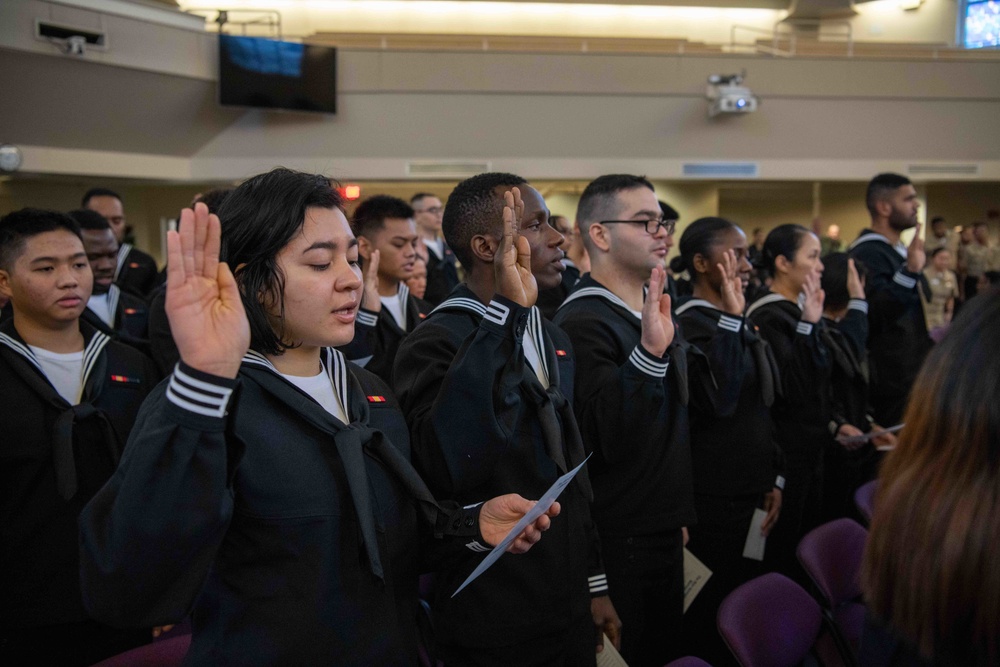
477	547
804	328
497	313
212	391
598	589
597	579
905	281
194	407
646	365
367	319
730	323
858	304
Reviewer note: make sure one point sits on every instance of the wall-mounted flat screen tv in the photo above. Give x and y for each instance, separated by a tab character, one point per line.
271	74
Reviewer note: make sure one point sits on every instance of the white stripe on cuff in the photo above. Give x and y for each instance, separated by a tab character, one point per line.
905	281
197	396
598	583
477	547
497	313
730	323
657	369
367	319
804	328
858	304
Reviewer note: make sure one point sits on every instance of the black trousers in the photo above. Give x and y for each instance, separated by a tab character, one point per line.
577	646
801	509
718	542
646	583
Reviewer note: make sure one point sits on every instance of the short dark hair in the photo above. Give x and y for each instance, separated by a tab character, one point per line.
17	227
668	211
934	253
698	239
992	277
371	214
599	199
834	280
259	218
98	192
936	219
214	198
90	220
782	241
421	195
474	208
880	187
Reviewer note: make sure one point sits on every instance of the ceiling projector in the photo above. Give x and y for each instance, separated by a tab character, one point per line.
727	94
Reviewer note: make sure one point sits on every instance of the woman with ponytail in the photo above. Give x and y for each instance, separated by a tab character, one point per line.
735	460
789	317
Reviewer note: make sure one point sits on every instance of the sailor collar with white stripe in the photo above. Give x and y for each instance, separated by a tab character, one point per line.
473	306
332	361
773	297
123	251
899	247
91	352
602	293
695	303
114	295
403	295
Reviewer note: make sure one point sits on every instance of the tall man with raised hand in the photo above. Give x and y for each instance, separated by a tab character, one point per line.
486	385
897	338
631	403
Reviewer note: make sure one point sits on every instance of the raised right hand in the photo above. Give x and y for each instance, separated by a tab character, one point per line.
812	309
916	256
657	325
372	300
855	288
512	260
733	299
203	303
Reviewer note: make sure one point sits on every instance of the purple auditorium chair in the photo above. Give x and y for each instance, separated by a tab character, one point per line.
166	653
864	498
771	621
831	554
688	661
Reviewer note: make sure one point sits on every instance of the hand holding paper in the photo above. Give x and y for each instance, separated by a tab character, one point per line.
499	516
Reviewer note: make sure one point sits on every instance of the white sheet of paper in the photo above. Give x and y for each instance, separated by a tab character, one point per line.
696	575
867	437
754	547
542	506
610	657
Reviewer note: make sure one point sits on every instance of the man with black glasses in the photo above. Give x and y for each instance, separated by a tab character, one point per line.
630	399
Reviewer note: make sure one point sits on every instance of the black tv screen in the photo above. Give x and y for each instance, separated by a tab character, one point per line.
270	74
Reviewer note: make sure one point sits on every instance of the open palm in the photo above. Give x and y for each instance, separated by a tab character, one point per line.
203	303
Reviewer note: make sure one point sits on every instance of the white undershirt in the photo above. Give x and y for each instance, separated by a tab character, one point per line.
320	388
64	371
102	308
395	307
436	246
532	356
637	313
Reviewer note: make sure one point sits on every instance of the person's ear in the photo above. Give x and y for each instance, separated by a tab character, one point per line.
5	287
884	207
484	247
599	236
781	264
701	264
365	248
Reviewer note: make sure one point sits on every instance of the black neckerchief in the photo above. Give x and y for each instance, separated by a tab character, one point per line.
95	364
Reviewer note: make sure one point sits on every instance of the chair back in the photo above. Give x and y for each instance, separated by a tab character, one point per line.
166	653
769	622
864	498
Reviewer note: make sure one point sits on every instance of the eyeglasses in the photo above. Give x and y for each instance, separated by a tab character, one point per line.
653	225
433	210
